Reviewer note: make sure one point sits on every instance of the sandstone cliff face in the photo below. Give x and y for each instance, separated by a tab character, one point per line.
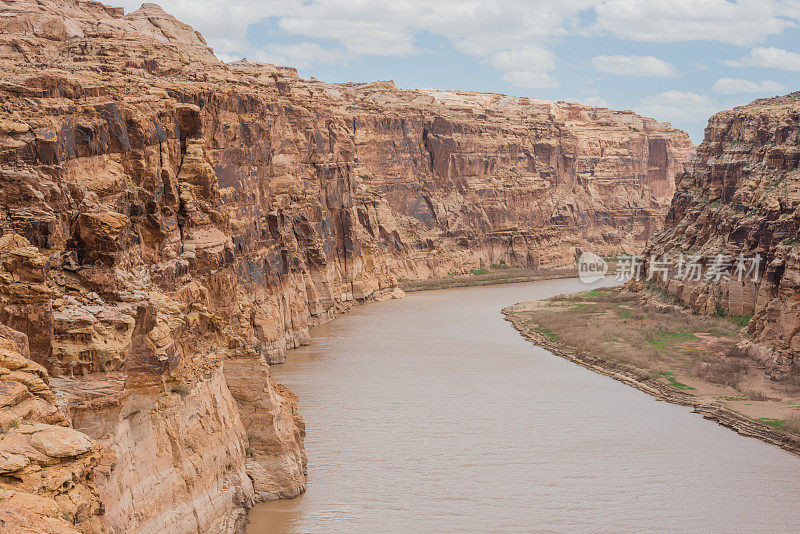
45	468
740	194
170	225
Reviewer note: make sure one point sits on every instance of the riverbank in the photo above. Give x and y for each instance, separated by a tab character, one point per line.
487	277
668	353
466	429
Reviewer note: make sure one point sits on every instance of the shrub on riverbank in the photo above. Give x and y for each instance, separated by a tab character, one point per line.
617	325
665	350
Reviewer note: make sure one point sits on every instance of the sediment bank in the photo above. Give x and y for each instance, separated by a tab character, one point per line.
712	401
497	434
482	277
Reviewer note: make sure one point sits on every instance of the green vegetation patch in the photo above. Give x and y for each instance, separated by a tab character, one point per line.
678	385
670	376
478	272
664	339
551	336
625	313
596	293
777	423
740	320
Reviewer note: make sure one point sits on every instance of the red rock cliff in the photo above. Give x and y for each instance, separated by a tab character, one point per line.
170	225
740	195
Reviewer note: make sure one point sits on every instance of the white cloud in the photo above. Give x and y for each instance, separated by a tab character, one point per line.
529	68
527	59
741	23
593	100
359	36
734	86
634	66
484	27
227	58
771	58
223	24
514	36
299	55
531	79
791	9
678	105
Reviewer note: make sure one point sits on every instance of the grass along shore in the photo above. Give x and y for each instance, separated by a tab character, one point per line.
484	277
670	353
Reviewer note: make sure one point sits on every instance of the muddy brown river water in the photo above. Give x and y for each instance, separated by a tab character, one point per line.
432	414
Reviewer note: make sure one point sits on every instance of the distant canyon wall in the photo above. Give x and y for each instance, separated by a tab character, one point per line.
170	225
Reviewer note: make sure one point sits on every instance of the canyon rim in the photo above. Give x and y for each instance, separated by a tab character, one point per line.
170	225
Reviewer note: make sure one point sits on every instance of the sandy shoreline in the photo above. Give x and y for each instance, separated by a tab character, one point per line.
509	276
634	377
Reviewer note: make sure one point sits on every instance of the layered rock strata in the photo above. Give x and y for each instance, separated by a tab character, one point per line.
740	197
170	225
46	468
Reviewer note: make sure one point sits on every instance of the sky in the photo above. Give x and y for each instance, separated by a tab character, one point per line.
678	61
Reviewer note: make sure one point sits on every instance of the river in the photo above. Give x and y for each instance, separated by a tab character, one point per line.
432	414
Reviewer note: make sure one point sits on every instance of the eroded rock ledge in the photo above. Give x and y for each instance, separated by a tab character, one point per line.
170	225
740	195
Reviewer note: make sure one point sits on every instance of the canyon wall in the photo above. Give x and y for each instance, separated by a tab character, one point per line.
170	225
740	196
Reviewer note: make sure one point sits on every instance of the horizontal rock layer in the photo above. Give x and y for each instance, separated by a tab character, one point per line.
46	469
740	195
170	225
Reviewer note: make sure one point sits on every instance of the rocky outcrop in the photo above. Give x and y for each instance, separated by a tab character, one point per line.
183	452
740	196
45	468
170	225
